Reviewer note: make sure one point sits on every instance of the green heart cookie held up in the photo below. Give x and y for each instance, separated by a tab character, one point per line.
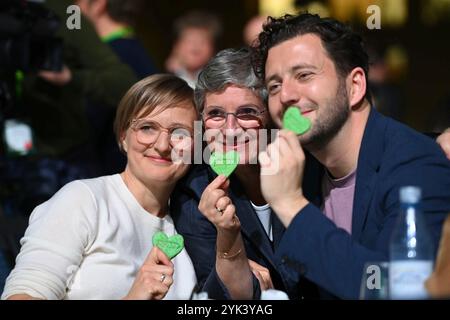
171	246
224	163
294	121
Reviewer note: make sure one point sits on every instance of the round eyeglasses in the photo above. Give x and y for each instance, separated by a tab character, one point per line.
147	132
247	117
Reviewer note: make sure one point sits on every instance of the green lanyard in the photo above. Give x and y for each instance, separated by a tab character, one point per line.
123	32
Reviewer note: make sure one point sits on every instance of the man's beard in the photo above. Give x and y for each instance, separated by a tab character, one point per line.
330	119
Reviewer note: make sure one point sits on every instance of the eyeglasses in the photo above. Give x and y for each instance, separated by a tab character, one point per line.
247	117
147	132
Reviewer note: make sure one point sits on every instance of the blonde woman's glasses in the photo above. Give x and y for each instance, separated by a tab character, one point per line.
147	132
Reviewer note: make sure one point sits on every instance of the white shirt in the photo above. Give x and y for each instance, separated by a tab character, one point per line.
263	213
88	242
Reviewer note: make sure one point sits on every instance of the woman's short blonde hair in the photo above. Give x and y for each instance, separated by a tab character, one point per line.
160	90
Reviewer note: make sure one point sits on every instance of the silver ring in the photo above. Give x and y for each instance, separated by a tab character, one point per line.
219	210
163	276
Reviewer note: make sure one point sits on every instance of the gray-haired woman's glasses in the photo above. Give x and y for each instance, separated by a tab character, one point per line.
247	117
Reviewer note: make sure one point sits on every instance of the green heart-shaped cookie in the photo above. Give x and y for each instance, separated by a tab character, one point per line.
171	246
224	163
294	121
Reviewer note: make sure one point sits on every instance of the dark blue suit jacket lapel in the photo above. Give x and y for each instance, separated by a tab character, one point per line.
367	170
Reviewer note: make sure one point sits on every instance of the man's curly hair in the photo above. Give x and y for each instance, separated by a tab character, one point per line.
344	47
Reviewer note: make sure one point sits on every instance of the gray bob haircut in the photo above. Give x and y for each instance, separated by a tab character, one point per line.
228	67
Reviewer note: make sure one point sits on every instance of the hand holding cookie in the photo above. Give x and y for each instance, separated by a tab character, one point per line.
217	207
153	279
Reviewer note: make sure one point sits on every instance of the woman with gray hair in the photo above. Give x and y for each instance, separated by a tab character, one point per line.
227	219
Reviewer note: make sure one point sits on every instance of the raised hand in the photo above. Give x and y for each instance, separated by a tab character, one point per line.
58	78
282	166
153	279
231	261
262	274
217	207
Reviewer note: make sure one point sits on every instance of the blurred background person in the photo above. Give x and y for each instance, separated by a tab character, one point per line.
55	101
252	29
115	22
196	34
386	94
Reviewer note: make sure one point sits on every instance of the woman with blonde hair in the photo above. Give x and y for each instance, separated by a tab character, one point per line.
93	238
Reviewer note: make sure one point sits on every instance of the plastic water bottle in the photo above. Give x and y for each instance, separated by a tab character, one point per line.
411	249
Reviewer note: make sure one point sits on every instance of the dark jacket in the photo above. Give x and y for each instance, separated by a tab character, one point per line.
391	155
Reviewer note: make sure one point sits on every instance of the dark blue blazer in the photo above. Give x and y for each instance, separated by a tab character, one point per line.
391	155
